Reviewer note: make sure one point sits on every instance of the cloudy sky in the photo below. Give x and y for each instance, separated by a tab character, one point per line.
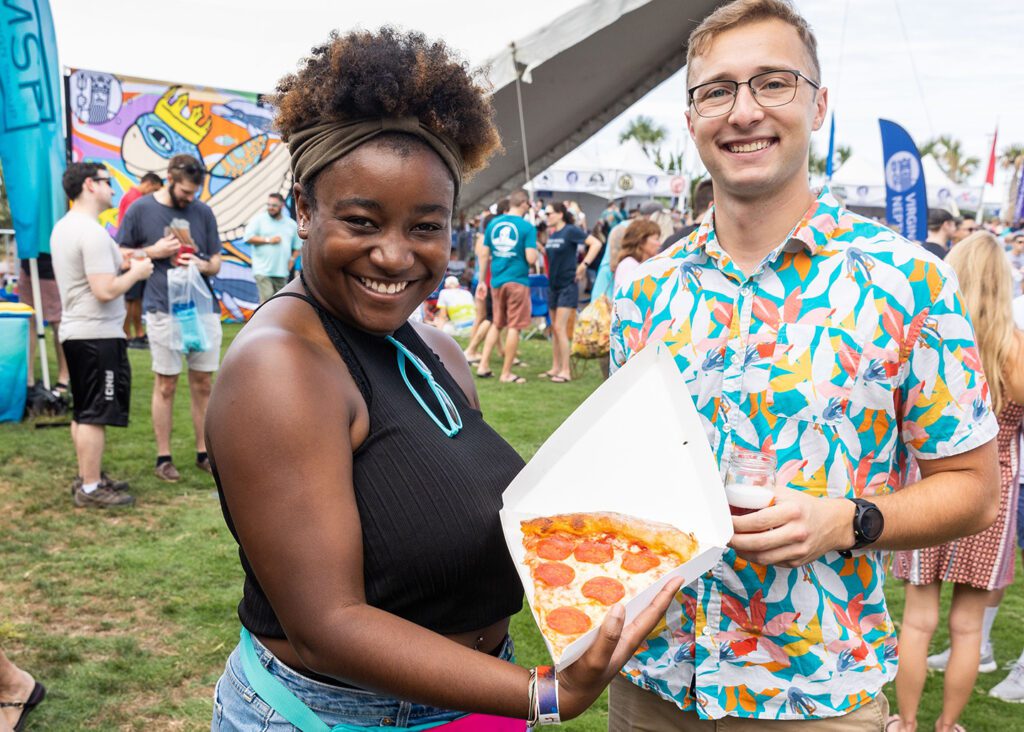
934	66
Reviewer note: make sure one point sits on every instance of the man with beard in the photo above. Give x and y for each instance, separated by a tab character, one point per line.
174	229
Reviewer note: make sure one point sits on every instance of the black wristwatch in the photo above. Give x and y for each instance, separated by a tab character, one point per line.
867	525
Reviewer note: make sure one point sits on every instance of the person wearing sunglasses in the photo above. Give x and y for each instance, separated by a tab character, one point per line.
844	351
365	485
173	229
93	279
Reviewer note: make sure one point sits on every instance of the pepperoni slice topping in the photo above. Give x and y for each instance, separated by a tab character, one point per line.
554	574
556	548
604	590
639	562
568	621
594	552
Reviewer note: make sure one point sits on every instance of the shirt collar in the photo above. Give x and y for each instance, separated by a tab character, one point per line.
816	228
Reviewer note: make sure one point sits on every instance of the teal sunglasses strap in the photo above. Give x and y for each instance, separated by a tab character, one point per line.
289	706
275	694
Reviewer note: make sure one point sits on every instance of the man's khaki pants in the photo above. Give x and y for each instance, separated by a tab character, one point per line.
631	709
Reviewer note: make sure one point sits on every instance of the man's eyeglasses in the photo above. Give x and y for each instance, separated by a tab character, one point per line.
105	179
769	89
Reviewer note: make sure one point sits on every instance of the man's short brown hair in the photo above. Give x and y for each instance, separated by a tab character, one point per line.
743	12
182	168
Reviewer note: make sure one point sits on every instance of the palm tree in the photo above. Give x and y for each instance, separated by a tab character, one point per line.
648	133
948	153
818	164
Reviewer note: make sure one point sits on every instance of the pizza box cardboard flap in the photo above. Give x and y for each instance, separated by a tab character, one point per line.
635	446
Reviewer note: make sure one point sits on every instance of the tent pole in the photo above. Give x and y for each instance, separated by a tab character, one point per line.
37	298
522	122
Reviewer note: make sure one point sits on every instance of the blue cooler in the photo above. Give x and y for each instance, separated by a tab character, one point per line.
15	319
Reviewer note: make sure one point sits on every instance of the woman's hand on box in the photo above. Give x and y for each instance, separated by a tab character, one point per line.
580	684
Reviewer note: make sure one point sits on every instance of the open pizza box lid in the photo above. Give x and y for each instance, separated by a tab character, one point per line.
635	446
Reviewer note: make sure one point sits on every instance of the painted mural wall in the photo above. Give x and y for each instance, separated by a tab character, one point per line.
134	126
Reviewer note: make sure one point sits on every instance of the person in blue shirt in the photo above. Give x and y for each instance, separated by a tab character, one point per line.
511	250
564	239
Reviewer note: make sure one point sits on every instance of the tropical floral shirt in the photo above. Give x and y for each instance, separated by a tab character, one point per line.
847	352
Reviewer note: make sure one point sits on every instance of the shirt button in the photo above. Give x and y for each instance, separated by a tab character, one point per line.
746	290
707	630
387	722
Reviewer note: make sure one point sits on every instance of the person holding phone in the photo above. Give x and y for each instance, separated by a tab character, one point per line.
173	229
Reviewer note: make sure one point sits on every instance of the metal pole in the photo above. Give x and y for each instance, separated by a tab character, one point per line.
37	298
522	123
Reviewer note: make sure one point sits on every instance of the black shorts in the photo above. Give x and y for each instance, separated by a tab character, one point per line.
489	306
564	297
135	291
101	380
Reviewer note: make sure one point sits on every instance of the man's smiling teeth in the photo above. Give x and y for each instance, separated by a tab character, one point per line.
750	146
384	288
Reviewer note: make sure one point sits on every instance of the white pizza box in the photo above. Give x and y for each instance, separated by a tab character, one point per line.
635	446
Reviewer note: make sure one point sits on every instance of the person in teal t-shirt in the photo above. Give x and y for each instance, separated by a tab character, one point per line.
273	236
511	244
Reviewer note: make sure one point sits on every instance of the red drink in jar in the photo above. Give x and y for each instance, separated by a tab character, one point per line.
750	481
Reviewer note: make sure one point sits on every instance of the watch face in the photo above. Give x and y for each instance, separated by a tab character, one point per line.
871	523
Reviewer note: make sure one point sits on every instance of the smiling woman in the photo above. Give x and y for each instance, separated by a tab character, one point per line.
364	491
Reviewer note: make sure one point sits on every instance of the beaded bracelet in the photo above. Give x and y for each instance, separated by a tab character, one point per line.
543	697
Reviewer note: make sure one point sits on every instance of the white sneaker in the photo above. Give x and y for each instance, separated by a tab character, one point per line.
939	661
1011	689
986	664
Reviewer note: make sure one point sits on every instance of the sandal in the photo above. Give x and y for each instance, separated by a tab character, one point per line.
546	375
484	375
560	380
894	719
60	389
37	695
514	380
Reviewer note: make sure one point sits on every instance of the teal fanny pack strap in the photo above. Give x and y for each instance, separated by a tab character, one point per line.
275	694
289	706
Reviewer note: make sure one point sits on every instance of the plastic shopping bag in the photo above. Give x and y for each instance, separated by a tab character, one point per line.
190	300
592	334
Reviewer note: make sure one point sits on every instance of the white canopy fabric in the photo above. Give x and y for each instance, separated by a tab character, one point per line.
622	171
580	72
861	182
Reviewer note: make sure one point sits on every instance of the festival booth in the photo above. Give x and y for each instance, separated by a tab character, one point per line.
860	182
593	177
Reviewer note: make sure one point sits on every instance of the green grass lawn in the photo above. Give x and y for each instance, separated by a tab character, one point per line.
128	616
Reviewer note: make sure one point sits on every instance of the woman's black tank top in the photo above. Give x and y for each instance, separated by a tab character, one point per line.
433	549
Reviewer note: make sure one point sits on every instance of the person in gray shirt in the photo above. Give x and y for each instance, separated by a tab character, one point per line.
88	268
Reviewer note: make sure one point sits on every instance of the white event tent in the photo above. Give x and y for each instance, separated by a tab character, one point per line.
861	183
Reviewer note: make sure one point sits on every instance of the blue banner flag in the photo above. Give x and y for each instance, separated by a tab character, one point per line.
31	128
906	200
831	147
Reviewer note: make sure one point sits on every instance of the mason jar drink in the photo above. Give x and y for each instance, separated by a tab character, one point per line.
750	481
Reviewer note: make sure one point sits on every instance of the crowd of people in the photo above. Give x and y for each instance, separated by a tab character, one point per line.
881	375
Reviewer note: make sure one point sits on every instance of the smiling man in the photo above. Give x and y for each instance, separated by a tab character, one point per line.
839	348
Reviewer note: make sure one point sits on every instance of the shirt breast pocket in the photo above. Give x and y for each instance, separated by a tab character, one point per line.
813	371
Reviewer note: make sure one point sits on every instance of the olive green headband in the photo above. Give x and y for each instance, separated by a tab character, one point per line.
314	148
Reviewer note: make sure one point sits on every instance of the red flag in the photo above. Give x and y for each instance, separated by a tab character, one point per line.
990	176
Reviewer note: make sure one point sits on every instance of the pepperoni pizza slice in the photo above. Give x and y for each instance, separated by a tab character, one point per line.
584	563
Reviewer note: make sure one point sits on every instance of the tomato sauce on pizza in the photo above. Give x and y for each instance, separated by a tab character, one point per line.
584	563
